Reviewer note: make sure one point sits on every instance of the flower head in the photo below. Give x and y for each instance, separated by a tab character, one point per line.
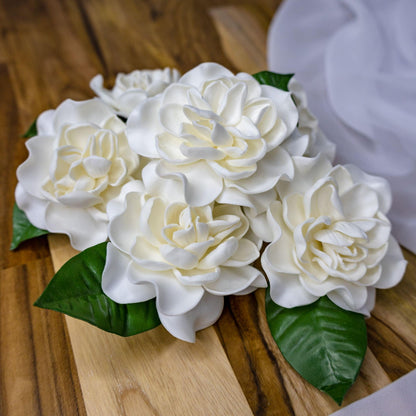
131	89
331	237
186	257
217	134
79	161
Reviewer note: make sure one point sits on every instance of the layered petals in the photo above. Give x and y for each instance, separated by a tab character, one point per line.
131	89
331	238
75	167
186	257
226	127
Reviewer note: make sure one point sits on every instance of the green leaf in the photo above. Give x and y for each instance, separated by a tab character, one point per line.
76	291
324	343
31	131
280	81
22	228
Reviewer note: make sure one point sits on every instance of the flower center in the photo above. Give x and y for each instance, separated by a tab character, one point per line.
331	248
86	161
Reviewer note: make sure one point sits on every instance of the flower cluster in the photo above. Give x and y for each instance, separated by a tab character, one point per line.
188	176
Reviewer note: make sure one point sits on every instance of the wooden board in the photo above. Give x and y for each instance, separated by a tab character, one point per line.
49	365
153	372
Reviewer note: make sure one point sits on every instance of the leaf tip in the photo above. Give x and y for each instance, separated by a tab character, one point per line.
337	391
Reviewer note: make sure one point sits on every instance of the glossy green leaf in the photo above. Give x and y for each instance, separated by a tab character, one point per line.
31	131
22	228
76	291
280	81
324	343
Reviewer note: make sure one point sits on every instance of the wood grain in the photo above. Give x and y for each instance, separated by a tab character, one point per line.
153	372
49	51
38	374
392	336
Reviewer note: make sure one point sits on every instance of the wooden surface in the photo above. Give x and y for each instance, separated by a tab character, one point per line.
49	50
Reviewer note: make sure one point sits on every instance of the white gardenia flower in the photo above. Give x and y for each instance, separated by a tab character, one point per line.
77	163
131	89
217	135
308	126
186	257
331	237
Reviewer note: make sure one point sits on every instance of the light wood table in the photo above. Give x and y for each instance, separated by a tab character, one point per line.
52	365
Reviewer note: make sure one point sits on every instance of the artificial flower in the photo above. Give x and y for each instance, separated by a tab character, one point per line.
131	89
79	160
308	125
186	257
331	237
218	135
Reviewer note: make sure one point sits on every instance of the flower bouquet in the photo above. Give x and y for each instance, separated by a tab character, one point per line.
173	186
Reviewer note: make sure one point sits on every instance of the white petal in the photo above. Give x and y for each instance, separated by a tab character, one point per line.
279	254
174	298
323	200
232	105
245	254
44	123
196	277
205	72
342	177
233	280
33	207
360	201
379	234
97	85
219	255
270	169
148	256
380	185
128	101
202	316
220	136
286	289
116	205
261	227
200	184
293	210
178	257
172	116
393	266
176	94
296	144
369	303
82	227
307	172
169	187
92	111
349	229
285	107
34	171
349	295
117	280
143	126
124	228
79	199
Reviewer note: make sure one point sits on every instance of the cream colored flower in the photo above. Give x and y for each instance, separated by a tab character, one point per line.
308	127
77	163
217	135
186	257
331	237
131	89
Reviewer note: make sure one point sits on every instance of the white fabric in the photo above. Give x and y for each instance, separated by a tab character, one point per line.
397	398
357	61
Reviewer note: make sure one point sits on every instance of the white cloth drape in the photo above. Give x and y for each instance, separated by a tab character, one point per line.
357	61
396	399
